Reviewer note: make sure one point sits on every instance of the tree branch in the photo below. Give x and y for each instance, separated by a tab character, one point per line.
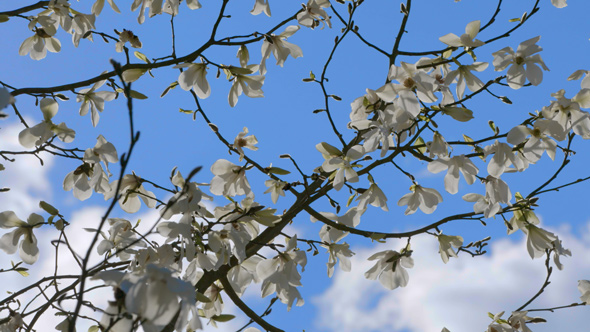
244	307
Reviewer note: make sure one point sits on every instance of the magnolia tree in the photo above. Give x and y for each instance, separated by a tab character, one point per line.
214	234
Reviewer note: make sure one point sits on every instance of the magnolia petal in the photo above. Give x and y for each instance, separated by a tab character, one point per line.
49	108
534	74
9	241
472	28
451	39
27	139
8	219
516	76
517	134
29	252
53	45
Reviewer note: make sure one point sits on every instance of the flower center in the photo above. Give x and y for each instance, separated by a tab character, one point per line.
409	83
440	78
41	33
519	60
241	142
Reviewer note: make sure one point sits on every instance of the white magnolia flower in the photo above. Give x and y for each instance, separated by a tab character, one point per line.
243	141
247	213
132	193
142	5
38	44
467	39
231	241
379	130
313	13
502	159
49	24
559	3
261	6
121	238
185	201
584	288
171	6
182	232
438	146
156	297
81	24
391	268
539	140
446	244
162	256
242	275
14	324
525	55
276	188
94	101
329	234
60	11
116	319
455	165
538	239
279	47
99	4
373	196
194	77
568	114
519	319
335	160
439	74
361	108
230	179
251	85
127	36
497	190
40	133
426	199
214	306
483	204
499	325
103	151
585	83
465	78
86	178
28	250
414	86
279	274
338	252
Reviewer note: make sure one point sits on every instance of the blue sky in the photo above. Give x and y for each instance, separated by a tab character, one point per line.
457	295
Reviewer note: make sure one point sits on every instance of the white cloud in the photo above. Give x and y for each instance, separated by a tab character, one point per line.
457	295
26	177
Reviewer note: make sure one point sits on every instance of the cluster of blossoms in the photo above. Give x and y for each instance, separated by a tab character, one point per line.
242	78
386	117
158	287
